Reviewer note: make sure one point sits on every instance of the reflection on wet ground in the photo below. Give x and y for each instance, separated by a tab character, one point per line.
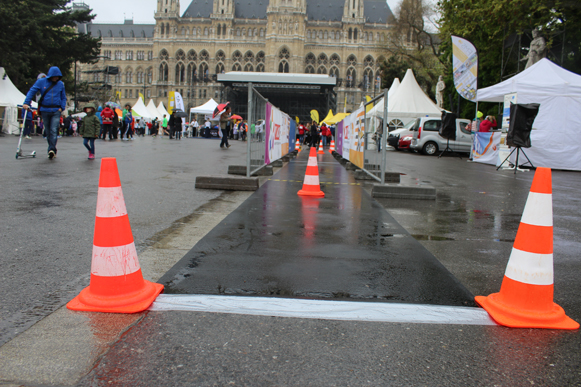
344	246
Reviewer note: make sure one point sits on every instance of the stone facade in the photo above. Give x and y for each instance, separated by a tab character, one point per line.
184	53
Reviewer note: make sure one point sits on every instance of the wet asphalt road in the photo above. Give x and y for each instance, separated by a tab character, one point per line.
342	246
469	229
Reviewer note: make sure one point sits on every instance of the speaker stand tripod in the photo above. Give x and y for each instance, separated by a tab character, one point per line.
518	151
448	149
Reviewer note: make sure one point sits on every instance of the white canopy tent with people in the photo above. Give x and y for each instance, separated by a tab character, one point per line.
153	110
555	138
140	110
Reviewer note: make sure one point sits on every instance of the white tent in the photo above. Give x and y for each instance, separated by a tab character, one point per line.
162	111
207	108
140	109
393	88
10	98
407	103
555	139
153	110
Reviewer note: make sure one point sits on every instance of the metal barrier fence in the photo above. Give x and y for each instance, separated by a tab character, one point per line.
256	116
375	141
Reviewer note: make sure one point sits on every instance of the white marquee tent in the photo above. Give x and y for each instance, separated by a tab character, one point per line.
555	138
153	110
207	108
140	109
162	111
407	103
10	99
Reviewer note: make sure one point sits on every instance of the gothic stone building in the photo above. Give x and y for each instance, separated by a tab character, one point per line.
185	53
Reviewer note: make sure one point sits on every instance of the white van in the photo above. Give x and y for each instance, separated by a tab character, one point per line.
426	137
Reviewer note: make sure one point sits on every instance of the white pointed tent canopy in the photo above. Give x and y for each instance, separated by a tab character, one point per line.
140	110
10	99
153	110
207	108
162	111
555	139
407	103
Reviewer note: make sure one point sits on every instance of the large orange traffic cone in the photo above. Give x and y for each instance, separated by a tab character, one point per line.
321	152
525	299
332	147
298	145
311	186
117	284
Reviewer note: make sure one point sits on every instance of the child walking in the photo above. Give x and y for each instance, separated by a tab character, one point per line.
90	129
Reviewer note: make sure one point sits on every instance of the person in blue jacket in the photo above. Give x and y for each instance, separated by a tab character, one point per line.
98	114
52	103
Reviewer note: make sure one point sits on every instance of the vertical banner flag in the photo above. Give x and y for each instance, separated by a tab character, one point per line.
179	101
465	62
171	102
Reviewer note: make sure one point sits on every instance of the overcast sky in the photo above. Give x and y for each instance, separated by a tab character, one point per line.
114	11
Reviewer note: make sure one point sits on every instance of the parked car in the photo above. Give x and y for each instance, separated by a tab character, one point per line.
395	135
405	142
426	137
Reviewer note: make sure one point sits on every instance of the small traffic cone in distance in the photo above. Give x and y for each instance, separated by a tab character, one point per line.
117	285
311	186
298	145
321	151
525	299
332	149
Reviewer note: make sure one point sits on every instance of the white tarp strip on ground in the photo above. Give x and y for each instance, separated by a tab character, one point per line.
321	309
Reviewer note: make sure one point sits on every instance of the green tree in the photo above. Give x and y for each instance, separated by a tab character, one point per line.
489	24
412	43
37	34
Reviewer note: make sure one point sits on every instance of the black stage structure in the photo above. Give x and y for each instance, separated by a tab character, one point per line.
294	94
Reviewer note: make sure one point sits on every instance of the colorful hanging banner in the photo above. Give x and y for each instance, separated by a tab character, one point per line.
465	67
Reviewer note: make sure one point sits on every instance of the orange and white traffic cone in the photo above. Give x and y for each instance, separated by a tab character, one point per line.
117	285
525	299
311	186
332	147
321	152
298	145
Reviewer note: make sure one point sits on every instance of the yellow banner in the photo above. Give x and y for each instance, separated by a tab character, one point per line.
171	101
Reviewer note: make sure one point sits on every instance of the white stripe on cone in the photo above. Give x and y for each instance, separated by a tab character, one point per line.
114	261
311	180
538	210
312	162
110	202
530	268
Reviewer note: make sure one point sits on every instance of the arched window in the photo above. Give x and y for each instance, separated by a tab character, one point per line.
194	31
350	33
309	69
219	30
249	57
220	68
163	72
237	31
110	33
180	73
367	79
183	31
162	28
351	77
149	75
310	59
260	68
351	60
261	33
334	72
220	57
248	67
236	67
205	31
167	28
355	34
322	59
224	30
180	55
203	73
321	70
283	56
192	55
204	56
260	57
128	76
163	55
237	56
192	72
